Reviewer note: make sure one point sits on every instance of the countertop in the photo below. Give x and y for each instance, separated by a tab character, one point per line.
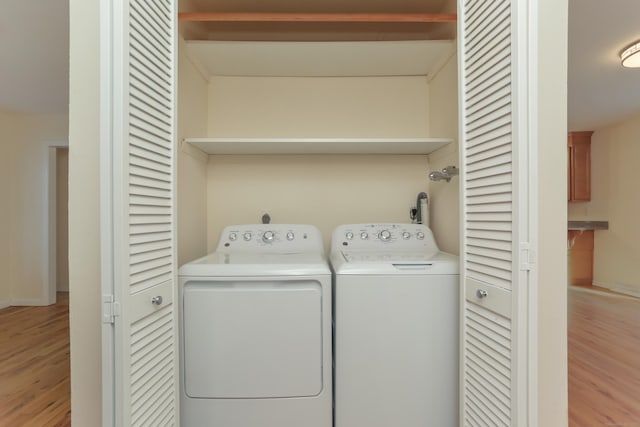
588	225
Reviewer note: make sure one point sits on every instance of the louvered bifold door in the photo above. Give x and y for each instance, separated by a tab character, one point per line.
146	380
494	209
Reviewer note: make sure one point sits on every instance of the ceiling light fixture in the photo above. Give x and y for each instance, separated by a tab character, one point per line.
631	56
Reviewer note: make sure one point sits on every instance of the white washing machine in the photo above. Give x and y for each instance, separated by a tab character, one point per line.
255	331
395	327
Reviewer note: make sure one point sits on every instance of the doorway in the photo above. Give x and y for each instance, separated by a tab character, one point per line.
56	223
62	219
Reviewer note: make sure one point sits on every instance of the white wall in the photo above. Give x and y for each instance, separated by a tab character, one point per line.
615	198
445	196
551	213
10	132
192	163
84	214
24	187
30	211
318	107
323	190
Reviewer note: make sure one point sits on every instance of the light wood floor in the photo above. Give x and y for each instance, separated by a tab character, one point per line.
604	363
604	360
34	365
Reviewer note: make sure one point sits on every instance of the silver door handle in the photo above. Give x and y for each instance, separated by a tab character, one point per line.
156	300
481	293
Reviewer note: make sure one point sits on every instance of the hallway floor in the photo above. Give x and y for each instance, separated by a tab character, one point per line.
604	359
34	365
604	362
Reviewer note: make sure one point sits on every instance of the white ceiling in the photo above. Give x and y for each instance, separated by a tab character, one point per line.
600	90
34	52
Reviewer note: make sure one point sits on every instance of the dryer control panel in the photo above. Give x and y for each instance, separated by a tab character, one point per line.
383	237
270	238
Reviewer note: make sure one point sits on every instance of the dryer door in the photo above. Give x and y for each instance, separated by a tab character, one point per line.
252	339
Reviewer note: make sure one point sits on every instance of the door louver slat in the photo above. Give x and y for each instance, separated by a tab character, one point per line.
486	83
489	190
489	151
483	199
151	364
490	139
479	244
143	172
488	203
491	43
149	124
148	81
150	209
150	232
478	13
488	181
481	101
489	333
140	98
148	45
144	151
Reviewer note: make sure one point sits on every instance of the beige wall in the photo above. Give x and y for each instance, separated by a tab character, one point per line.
31	254
192	163
84	214
62	219
11	131
25	151
551	213
445	196
318	107
323	190
615	198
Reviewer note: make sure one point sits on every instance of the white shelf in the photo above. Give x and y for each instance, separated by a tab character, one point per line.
318	145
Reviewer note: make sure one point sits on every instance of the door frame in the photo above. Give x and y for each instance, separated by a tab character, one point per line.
49	234
107	288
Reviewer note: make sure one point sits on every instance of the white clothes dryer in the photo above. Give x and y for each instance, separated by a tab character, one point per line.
255	331
395	327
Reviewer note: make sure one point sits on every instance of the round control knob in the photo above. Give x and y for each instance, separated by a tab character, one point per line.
246	236
233	237
420	235
406	235
349	235
268	236
290	235
364	235
385	235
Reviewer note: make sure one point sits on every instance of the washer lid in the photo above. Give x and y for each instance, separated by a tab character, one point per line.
367	262
256	264
389	257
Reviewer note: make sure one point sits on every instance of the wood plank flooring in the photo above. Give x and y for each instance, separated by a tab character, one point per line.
34	365
604	363
604	360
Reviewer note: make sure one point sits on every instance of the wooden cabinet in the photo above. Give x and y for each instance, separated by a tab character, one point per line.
579	177
580	257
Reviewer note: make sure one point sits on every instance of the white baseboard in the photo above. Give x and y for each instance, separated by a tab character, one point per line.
4	304
623	289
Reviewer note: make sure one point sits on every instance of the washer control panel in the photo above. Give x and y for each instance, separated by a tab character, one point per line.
270	238
383	237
